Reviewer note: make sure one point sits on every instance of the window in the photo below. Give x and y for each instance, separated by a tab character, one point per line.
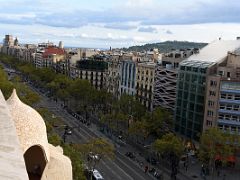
210	113
182	67
191	106
212	93
220	127
194	78
187	77
181	76
193	87
228	74
229	107
195	69
237	97
192	97
222	106
227	117
211	103
226	128
203	70
233	128
213	83
221	73
235	107
230	96
209	123
186	86
137	85
189	68
221	116
223	96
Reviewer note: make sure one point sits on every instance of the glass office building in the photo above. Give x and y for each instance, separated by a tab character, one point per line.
190	101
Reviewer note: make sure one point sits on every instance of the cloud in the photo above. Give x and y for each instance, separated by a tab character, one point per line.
73	15
147	29
121	26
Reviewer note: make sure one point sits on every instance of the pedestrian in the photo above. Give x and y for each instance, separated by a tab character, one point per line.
186	166
202	170
146	169
224	177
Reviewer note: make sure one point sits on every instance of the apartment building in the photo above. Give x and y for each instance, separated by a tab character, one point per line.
194	88
113	75
224	110
92	70
128	77
49	57
145	83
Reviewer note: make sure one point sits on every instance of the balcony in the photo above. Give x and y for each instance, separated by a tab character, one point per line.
228	122
229	112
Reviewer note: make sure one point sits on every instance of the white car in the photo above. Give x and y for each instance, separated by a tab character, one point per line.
96	175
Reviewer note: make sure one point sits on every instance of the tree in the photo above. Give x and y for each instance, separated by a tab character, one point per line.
95	150
214	143
158	122
139	129
172	147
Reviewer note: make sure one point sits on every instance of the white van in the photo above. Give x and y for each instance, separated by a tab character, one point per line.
96	175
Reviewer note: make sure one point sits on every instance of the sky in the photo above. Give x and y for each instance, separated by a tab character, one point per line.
119	23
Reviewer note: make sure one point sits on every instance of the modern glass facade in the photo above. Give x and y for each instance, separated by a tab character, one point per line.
190	100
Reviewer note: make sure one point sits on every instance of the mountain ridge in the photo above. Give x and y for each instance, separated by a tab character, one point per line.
166	46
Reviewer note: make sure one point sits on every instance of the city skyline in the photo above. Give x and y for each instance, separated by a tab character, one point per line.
120	23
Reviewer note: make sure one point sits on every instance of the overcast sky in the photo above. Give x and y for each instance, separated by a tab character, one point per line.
119	23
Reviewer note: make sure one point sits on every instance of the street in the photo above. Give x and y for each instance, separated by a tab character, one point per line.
119	168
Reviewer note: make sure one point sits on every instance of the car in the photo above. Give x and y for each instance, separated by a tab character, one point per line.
92	156
96	175
151	160
130	155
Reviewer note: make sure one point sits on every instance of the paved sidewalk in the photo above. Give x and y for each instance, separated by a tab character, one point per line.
194	172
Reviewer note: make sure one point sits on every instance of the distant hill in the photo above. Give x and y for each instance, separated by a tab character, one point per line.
166	46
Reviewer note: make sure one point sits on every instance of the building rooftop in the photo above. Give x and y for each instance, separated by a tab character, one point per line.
53	50
216	51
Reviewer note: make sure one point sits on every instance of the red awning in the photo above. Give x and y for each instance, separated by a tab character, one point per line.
231	159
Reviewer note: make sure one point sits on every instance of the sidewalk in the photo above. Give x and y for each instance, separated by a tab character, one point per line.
194	171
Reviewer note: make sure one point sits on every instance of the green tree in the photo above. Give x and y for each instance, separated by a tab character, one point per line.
158	122
172	147
216	143
95	150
